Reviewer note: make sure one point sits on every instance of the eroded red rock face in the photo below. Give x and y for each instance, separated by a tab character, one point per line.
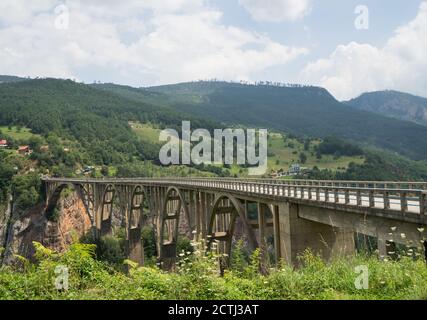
72	224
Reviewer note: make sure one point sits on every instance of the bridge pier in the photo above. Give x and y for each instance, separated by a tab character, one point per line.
262	236
386	249
105	229
297	235
135	249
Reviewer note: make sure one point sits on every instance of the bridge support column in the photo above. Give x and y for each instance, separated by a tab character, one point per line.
198	211
386	249
262	216
297	235
135	248
106	227
276	233
191	213
204	215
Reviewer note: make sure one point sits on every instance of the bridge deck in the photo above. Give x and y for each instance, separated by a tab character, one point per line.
403	197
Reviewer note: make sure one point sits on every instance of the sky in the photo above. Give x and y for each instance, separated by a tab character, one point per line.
348	47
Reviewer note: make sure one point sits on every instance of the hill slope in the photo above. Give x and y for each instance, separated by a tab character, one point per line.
310	111
97	120
5	78
394	104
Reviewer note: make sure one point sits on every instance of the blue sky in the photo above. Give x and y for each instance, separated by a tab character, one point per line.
153	42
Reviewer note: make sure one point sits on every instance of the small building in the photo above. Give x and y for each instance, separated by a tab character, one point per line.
294	169
3	143
88	169
44	148
25	150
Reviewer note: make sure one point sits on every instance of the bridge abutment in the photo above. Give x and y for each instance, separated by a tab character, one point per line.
298	235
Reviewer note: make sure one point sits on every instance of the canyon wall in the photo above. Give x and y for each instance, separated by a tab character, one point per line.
19	229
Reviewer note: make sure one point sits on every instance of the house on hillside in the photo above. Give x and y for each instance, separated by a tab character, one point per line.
294	169
3	143
25	150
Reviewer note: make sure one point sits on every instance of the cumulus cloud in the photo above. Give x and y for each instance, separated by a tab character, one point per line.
276	10
144	42
356	68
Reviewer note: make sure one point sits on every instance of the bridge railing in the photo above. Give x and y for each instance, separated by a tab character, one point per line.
397	199
333	183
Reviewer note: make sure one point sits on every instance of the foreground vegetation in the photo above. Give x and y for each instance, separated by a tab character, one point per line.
197	277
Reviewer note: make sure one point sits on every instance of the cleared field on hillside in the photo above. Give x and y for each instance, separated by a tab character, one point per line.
145	131
283	152
16	133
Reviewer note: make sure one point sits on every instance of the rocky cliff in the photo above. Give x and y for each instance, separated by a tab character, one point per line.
32	225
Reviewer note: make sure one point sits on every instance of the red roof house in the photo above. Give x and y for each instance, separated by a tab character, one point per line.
3	143
24	150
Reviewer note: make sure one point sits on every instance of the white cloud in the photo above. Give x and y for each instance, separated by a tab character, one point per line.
356	68
276	10
144	42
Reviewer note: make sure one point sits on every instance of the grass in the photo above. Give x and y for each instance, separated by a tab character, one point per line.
146	132
287	152
283	153
197	277
17	134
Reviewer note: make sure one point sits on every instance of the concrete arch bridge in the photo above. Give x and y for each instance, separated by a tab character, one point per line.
281	217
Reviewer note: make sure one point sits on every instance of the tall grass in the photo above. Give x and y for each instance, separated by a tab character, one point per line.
197	277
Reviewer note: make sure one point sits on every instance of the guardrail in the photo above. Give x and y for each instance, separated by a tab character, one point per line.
395	196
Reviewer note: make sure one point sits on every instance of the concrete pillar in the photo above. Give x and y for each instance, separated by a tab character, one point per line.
276	232
262	213
210	198
106	227
198	215
135	247
203	217
192	214
297	235
386	249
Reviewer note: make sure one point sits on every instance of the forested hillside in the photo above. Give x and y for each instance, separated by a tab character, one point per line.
309	111
97	120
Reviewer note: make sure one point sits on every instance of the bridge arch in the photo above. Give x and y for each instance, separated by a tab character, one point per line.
138	200
104	216
173	205
223	216
53	194
135	222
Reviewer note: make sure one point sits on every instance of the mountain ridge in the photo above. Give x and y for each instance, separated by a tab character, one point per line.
309	111
302	110
392	103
